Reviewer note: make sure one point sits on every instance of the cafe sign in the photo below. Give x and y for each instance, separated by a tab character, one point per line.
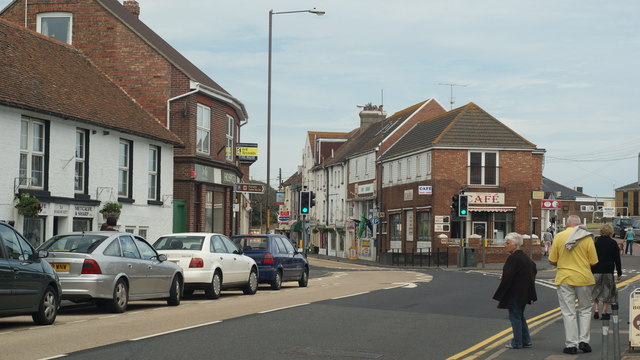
485	198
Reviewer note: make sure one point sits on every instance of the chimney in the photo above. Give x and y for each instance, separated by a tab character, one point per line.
579	189
371	114
133	7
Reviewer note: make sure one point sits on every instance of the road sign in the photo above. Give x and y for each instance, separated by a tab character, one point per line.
608	212
551	204
283	219
250	188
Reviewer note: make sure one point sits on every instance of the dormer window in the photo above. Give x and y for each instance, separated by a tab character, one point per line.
56	25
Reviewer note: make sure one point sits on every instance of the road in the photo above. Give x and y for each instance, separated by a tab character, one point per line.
347	312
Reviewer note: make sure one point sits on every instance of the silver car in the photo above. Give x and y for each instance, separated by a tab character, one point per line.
111	268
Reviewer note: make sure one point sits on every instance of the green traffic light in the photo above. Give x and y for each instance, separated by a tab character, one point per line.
305	210
463	212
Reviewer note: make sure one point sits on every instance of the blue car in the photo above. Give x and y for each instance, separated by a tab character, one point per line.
276	257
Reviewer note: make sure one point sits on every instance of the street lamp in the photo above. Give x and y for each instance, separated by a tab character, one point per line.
271	13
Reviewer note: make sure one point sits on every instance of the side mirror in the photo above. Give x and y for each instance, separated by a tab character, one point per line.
239	252
162	257
42	254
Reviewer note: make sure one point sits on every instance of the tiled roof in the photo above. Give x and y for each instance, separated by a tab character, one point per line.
468	126
296	178
46	76
633	186
367	139
313	135
566	193
153	39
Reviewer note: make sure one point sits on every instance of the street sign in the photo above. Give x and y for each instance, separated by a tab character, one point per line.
425	190
551	204
608	212
283	219
250	188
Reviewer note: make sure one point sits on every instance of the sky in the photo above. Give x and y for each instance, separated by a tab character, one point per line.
562	74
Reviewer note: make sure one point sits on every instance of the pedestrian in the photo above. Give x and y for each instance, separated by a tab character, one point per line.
604	289
573	252
517	289
547	237
629	237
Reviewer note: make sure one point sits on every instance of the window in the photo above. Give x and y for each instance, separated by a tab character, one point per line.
230	127
217	246
146	250
408	168
80	177
390	173
423	219
483	168
214	212
418	160
502	225
129	248
56	25
32	153
399	171
203	129
395	227
153	186
124	169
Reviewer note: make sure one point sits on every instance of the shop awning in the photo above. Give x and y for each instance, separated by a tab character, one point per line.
296	226
492	208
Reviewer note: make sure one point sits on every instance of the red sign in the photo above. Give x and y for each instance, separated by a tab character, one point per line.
284	213
551	204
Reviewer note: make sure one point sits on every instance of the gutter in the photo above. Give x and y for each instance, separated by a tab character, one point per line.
197	88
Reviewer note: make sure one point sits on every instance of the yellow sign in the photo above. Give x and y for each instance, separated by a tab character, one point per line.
246	151
537	195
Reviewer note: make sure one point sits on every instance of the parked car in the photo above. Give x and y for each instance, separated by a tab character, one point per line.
211	262
276	257
620	225
28	284
110	268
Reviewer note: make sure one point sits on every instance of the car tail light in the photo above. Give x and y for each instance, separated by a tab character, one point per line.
268	259
90	266
196	263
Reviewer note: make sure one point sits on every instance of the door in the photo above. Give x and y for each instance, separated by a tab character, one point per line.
6	280
220	254
239	265
159	275
135	267
292	269
27	272
480	228
179	216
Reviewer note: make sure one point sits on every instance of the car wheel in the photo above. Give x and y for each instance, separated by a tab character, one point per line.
276	284
48	309
213	290
304	279
175	294
120	297
252	285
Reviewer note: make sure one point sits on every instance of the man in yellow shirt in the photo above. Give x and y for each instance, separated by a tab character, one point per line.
573	252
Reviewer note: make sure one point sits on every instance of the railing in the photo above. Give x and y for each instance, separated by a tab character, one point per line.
421	258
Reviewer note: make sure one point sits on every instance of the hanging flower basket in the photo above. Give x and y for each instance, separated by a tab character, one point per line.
111	210
28	205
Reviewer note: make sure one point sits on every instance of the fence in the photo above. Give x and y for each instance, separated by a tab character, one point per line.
421	258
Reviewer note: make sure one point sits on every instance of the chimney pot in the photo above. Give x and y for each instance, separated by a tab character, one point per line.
133	7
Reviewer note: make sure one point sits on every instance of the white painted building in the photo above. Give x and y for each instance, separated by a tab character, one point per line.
74	140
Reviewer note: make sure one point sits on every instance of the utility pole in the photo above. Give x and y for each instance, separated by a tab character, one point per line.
452	99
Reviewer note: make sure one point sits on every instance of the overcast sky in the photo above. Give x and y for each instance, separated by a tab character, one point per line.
563	74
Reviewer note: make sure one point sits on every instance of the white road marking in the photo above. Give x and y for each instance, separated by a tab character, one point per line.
55	357
282	308
176	330
346	296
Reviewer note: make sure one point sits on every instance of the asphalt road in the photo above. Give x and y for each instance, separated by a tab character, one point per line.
347	312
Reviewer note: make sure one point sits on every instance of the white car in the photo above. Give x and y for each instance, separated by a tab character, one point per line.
211	262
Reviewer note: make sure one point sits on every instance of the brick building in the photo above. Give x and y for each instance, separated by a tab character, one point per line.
465	149
168	86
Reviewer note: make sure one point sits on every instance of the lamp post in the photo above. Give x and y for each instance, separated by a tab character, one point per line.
271	13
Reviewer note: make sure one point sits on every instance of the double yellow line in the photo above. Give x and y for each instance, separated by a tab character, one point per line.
538	321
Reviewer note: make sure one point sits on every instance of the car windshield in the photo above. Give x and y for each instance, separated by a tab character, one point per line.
79	243
626	222
252	242
182	242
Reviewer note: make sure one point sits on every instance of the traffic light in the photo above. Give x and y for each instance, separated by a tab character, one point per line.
312	199
463	205
305	202
454	205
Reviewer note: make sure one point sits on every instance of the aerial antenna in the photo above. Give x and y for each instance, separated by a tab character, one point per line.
382	102
452	100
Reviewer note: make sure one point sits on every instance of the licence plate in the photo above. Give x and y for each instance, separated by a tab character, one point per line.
61	267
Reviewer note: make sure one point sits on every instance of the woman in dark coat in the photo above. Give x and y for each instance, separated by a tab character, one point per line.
608	257
517	289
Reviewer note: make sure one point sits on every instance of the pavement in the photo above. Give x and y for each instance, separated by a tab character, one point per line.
548	335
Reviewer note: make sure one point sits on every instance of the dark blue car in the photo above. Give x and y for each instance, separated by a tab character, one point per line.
276	257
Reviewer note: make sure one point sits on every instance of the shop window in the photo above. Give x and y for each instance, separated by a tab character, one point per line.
502	225
395	227
423	222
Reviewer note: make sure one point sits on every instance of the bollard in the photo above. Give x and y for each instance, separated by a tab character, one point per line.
605	337
616	331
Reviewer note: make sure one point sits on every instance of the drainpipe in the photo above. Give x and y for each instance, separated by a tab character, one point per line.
197	88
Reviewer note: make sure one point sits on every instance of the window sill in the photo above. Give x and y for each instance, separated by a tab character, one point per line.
126	200
155	202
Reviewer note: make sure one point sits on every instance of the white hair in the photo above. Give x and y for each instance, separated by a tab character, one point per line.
573	220
516	238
